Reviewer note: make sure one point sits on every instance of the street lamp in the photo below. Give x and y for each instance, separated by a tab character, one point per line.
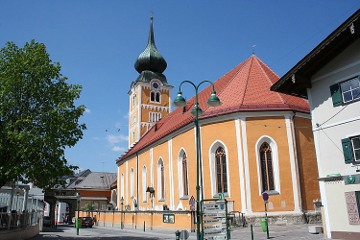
213	101
77	221
151	192
122	208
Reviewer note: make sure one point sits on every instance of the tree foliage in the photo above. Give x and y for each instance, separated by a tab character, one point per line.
38	116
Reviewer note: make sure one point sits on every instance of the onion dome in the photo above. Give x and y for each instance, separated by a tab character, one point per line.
150	62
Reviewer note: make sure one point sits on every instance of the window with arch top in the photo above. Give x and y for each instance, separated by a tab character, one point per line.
155	96
134	100
267	159
266	165
144	184
161	180
221	170
185	175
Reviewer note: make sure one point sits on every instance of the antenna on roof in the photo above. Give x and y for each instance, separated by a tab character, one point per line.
253	49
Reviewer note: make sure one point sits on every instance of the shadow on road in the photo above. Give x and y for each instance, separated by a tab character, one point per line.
65	232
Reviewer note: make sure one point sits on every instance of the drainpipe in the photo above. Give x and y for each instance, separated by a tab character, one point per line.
137	177
296	160
137	184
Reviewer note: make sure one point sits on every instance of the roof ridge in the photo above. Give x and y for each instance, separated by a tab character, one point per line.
250	59
230	79
268	79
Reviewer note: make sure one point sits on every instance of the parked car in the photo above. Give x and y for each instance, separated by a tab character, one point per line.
47	221
87	222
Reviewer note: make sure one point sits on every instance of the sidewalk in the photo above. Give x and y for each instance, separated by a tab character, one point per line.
291	232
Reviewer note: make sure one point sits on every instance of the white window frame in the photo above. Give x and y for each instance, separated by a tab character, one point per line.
160	194
212	169
122	190
144	183
357	161
353	98
181	176
275	162
132	179
155	95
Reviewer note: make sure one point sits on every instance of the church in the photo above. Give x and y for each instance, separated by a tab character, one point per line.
257	141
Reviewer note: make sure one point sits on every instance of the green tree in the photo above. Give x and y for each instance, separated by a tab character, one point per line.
89	207
38	116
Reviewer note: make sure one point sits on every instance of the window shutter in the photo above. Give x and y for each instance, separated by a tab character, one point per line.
347	149
336	95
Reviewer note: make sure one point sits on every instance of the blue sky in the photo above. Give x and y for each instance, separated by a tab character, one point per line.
97	42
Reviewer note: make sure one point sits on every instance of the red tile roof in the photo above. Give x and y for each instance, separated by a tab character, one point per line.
245	88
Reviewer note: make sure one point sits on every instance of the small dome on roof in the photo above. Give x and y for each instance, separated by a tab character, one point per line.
150	59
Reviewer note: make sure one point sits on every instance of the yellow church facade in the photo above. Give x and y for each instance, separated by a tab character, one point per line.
256	142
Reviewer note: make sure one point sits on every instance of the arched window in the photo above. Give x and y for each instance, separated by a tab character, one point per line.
267	159
122	189
266	165
221	170
132	182
161	180
144	184
184	175
155	96
152	96
154	116
134	100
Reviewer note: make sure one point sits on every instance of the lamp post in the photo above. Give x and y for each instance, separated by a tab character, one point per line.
151	192
77	221
122	208
213	101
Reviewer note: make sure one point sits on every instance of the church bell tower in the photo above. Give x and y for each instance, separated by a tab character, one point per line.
149	95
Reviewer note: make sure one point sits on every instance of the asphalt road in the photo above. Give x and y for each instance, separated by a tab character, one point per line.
65	232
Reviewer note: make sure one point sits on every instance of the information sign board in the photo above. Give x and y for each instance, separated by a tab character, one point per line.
168	218
214	218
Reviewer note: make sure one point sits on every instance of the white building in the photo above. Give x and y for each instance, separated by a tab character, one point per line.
21	197
329	77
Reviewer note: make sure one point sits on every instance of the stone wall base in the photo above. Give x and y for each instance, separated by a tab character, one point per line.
287	219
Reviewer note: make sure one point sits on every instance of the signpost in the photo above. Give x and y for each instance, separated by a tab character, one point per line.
266	198
215	223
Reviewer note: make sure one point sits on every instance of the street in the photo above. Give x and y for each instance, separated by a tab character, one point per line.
68	232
